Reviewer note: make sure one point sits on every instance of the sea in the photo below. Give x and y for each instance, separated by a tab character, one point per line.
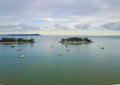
48	62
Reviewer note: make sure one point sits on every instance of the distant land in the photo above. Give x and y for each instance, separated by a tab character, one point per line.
20	35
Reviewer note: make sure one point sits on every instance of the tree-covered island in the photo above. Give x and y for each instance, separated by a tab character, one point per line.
75	40
5	40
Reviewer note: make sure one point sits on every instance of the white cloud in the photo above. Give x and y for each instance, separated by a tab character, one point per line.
48	19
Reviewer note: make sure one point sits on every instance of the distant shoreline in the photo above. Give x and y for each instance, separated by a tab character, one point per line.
20	35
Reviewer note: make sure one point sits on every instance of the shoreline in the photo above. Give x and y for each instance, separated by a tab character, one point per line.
75	42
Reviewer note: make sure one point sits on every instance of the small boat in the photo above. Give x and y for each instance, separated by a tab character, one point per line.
66	45
12	46
102	47
19	49
51	46
67	50
21	56
32	45
98	45
60	54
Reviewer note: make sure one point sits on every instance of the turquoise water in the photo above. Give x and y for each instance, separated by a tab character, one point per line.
85	64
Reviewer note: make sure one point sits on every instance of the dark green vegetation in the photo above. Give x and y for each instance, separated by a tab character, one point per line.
16	40
75	40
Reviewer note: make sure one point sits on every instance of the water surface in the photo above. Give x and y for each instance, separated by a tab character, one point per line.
85	64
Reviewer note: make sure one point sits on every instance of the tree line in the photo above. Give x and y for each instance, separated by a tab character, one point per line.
75	39
4	39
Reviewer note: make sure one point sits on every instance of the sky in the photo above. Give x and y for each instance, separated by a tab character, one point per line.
60	17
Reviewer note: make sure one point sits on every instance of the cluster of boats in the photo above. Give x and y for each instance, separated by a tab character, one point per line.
100	47
76	41
18	49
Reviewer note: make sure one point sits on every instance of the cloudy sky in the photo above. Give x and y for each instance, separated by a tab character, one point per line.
60	17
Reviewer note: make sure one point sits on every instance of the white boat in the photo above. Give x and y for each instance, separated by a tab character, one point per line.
21	56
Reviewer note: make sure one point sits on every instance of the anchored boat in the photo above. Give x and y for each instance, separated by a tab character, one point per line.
21	56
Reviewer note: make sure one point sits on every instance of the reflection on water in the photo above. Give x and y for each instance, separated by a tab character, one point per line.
48	62
21	60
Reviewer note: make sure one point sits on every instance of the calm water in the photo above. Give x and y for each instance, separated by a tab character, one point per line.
84	64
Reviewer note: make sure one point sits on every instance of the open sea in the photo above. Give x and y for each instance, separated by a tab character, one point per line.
48	62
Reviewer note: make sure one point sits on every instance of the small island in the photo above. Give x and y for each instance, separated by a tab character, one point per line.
75	40
5	40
